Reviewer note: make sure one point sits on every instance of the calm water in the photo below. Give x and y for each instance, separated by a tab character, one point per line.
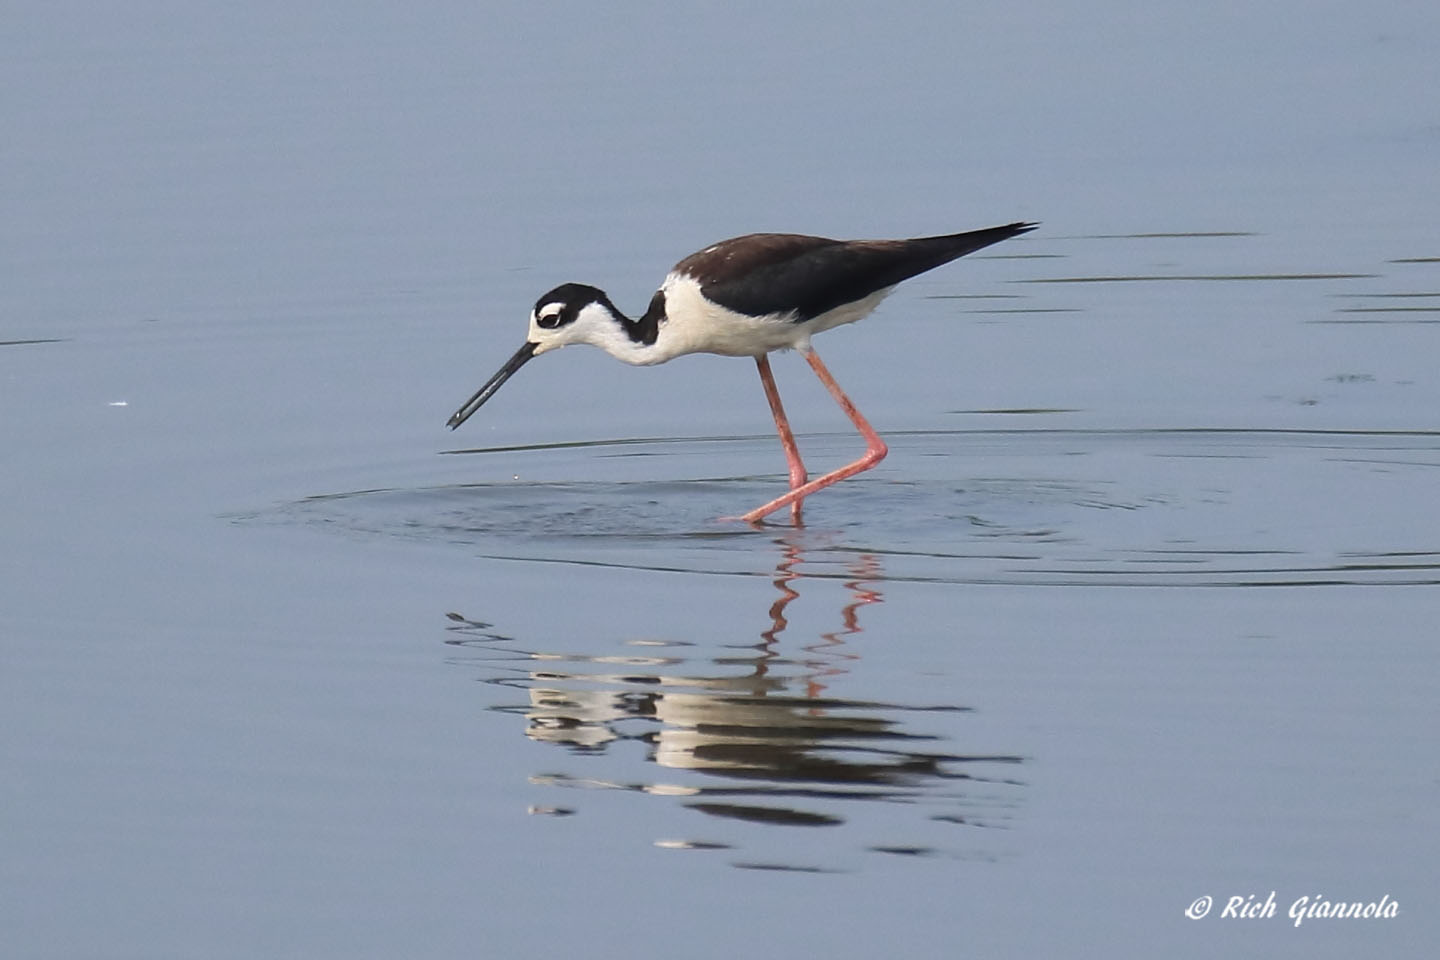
1141	608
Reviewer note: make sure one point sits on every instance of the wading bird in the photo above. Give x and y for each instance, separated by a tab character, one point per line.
746	297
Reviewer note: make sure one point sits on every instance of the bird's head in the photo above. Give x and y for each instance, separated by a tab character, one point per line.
571	313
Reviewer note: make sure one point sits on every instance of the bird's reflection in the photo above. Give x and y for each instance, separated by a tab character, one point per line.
752	732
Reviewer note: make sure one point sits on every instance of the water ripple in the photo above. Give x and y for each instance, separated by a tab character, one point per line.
1132	508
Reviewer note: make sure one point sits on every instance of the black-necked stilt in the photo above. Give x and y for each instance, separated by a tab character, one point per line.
744	298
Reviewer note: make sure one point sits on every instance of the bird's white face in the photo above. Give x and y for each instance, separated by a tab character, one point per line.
552	325
545	327
557	323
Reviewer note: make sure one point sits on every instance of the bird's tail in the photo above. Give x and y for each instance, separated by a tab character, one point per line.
955	245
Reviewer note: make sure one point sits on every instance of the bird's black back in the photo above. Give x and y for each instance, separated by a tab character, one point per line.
776	273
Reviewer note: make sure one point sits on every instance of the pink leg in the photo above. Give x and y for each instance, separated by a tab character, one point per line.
875	448
787	439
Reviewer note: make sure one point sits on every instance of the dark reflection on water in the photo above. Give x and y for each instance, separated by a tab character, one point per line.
1171	277
750	734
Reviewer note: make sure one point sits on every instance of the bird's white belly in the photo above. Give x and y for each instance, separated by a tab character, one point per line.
695	325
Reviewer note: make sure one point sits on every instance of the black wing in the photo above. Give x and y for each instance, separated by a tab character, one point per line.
765	274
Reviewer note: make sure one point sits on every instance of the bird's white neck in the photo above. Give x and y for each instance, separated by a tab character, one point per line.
681	320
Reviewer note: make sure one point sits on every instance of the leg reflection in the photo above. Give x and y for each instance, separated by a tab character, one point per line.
751	732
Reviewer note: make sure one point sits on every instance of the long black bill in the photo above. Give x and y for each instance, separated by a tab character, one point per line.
491	385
